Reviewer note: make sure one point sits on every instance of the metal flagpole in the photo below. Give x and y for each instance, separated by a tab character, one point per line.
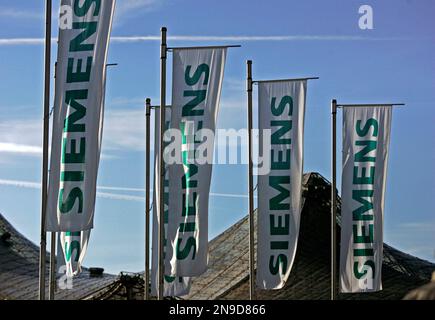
333	198
52	281
163	52
250	184
43	243
147	201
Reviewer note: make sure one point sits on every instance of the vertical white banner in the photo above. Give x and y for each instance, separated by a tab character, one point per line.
281	107
78	113
196	90
366	139
173	286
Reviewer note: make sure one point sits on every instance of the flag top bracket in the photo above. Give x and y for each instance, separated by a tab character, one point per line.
285	80
370	105
158	107
202	47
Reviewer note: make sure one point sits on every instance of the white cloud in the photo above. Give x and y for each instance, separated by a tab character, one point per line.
22	41
36	185
21	136
126	6
15	13
126	101
20	184
134	39
124	130
24	137
416	238
142	190
108	195
115	196
126	189
236	85
20	148
230	103
237	38
426	226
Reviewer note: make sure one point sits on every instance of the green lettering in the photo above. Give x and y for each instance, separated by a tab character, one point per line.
184	253
363	237
77	75
279	245
280	229
188	210
280	163
187	227
359	274
369	146
72	176
276	202
286	100
82	10
363	252
359	196
202	69
370	123
285	126
66	206
75	245
73	156
189	109
71	97
363	179
76	44
281	264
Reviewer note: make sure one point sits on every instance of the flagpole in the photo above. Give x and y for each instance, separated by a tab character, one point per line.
333	199
52	278
147	200
46	112
250	184
163	51
52	281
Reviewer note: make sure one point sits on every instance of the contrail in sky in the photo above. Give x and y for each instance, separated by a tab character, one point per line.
108	195
132	39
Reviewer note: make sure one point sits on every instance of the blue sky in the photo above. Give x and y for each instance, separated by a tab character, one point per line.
394	62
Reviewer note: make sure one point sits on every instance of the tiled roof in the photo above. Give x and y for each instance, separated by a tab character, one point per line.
227	275
19	278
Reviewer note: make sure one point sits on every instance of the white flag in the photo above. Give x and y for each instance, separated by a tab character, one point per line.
196	90
173	286
78	115
366	137
281	106
72	248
